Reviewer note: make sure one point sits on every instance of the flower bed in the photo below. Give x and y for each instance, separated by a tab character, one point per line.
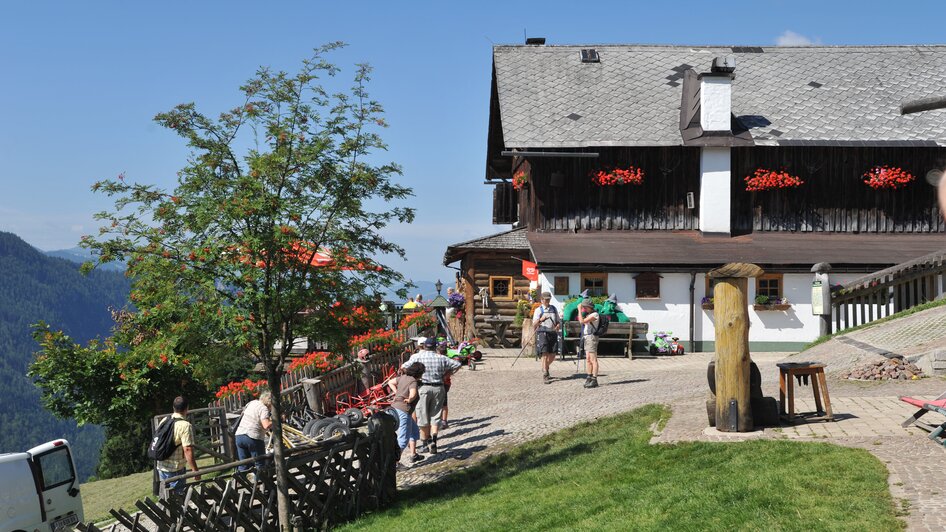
245	386
765	179
323	361
618	176
889	177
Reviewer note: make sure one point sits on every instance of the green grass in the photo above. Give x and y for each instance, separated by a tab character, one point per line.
605	476
902	313
100	496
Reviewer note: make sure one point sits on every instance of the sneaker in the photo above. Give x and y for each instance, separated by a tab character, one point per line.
432	448
587	382
592	383
546	378
444	425
423	447
416	458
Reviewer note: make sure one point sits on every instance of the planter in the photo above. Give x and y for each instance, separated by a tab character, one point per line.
772	307
707	306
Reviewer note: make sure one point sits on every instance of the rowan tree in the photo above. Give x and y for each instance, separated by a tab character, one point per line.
276	215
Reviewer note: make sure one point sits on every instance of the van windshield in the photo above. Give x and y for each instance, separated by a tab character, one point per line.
56	468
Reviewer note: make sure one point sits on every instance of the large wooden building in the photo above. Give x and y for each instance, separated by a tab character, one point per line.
696	122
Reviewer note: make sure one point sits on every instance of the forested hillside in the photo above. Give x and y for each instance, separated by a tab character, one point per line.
36	287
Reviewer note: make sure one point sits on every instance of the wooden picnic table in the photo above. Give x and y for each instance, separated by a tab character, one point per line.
500	324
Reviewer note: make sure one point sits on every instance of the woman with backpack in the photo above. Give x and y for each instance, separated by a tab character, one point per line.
589	339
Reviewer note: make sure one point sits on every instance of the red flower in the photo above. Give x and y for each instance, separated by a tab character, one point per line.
887	177
764	179
520	179
618	176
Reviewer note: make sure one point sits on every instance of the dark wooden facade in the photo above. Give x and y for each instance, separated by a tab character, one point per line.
834	197
659	203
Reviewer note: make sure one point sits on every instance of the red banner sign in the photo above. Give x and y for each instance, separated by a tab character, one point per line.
530	270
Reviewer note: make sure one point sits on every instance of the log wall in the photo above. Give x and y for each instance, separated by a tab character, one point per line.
477	269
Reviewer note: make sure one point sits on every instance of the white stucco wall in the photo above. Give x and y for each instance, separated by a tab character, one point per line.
671	311
715	190
716	103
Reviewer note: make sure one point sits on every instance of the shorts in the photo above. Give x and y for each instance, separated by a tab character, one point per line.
589	343
429	405
406	428
546	342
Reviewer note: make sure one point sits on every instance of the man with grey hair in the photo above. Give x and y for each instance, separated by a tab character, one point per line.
431	392
546	324
251	433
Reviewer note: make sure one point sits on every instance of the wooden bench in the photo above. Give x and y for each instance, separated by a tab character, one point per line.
627	335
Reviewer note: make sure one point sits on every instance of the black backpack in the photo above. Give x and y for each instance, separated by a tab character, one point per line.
603	322
162	444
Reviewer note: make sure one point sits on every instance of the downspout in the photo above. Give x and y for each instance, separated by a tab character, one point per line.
692	309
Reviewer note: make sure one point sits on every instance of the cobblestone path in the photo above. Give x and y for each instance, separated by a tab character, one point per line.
500	405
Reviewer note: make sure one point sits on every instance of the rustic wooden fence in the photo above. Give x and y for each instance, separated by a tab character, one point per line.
329	483
888	291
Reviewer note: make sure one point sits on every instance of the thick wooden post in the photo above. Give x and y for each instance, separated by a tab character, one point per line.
733	410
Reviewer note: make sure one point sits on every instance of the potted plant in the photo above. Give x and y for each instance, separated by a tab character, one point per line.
889	177
763	302
707	303
765	179
520	180
618	176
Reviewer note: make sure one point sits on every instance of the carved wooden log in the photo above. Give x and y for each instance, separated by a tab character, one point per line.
733	408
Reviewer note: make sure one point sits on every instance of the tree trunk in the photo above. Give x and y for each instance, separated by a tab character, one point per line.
282	481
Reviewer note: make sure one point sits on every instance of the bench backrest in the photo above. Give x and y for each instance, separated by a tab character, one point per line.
629	329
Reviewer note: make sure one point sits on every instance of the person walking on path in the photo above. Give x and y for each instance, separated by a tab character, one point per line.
405	400
444	412
546	324
431	391
183	455
589	324
251	433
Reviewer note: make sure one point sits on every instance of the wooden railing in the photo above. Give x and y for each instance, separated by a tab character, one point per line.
328	484
888	291
344	378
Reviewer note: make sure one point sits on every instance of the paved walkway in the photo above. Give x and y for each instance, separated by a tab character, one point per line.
500	405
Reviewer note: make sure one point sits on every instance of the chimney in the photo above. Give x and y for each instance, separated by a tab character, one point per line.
716	95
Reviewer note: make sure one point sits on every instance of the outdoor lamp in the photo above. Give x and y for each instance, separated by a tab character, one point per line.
438	285
383	307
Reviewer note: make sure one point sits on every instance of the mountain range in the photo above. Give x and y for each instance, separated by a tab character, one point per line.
33	287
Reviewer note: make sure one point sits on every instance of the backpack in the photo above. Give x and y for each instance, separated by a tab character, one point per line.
552	312
603	321
162	444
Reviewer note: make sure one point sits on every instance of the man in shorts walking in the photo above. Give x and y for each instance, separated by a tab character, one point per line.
431	391
546	324
589	325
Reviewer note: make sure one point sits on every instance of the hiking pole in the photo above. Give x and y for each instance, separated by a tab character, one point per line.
524	346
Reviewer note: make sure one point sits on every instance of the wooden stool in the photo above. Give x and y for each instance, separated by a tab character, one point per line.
786	386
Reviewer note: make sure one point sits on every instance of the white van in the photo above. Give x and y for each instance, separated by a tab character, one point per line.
39	490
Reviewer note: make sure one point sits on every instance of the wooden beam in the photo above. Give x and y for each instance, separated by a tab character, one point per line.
733	410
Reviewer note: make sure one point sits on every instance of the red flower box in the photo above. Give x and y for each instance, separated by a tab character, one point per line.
887	177
618	176
520	179
765	179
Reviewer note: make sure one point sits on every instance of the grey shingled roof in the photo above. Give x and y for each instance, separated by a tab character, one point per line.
514	239
632	97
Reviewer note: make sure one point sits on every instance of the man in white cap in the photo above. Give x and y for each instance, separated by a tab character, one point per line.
546	324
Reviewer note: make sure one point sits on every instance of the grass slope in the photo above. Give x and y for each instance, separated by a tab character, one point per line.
100	496
606	476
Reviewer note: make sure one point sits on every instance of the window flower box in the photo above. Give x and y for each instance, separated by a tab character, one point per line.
779	307
880	177
707	306
765	179
618	176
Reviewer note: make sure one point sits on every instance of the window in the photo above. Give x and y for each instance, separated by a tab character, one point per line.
770	285
647	285
595	283
561	286
56	468
500	287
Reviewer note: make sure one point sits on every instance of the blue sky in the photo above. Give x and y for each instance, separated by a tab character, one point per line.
82	80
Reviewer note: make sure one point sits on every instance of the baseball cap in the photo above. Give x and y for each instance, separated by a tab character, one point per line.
430	342
546	295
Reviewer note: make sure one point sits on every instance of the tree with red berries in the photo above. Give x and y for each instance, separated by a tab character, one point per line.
276	216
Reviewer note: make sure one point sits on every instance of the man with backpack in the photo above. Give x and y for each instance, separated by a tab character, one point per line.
592	326
546	324
173	447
